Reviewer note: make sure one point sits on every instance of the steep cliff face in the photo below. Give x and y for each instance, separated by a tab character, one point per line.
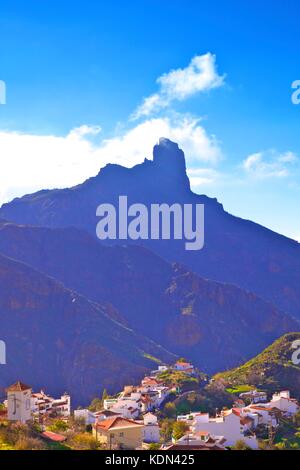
236	251
78	313
216	325
58	340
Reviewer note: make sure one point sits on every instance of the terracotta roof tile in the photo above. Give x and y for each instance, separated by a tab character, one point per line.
116	422
18	387
53	436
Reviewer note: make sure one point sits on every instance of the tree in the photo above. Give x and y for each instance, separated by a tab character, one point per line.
179	429
297	418
59	425
154	446
240	445
170	410
96	405
166	429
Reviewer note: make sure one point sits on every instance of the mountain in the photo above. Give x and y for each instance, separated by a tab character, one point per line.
209	322
236	251
272	370
56	338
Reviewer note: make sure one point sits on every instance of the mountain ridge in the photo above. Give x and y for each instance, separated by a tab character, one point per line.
56	338
188	315
236	251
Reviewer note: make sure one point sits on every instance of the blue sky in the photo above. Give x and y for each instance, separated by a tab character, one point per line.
71	70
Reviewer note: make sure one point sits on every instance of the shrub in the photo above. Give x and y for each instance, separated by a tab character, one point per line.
179	429
85	441
59	426
29	443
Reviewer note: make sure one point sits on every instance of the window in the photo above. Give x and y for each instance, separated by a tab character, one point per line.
14	400
121	434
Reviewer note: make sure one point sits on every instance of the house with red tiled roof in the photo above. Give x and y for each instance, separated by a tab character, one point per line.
19	402
53	436
23	404
90	417
42	404
118	432
150	382
266	414
285	403
186	367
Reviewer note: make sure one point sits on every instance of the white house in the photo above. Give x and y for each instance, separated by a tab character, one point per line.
109	402
41	403
86	415
285	403
227	425
129	407
126	410
151	428
160	369
162	393
200	437
266	414
90	417
255	396
19	402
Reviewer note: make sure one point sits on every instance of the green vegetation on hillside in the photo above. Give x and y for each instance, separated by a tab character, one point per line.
206	399
237	389
288	434
177	378
152	358
271	370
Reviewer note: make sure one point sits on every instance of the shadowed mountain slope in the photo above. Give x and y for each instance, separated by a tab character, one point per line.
214	324
236	251
58	340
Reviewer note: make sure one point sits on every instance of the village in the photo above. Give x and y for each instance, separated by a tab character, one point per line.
137	418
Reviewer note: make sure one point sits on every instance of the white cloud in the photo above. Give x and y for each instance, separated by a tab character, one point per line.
85	130
202	176
200	75
270	164
32	162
